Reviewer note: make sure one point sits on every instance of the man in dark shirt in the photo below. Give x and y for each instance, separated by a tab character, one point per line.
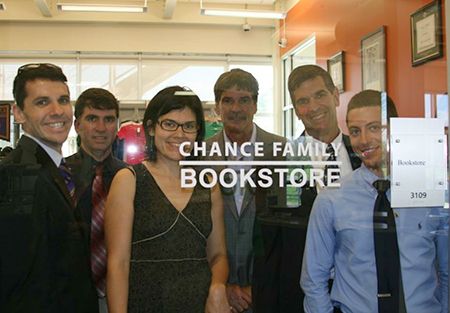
94	166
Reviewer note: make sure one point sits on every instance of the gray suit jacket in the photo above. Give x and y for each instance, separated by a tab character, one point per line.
239	228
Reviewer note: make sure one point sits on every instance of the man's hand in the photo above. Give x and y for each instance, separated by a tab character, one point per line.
240	298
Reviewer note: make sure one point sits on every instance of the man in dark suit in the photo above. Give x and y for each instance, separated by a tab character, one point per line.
44	265
315	99
96	120
236	95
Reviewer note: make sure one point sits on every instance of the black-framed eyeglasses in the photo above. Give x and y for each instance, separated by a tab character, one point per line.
32	66
171	125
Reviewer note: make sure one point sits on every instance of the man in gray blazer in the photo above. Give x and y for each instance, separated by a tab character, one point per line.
236	95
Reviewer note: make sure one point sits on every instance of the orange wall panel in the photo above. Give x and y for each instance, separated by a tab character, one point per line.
340	24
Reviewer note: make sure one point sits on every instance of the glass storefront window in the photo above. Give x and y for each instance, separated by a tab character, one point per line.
199	78
343	239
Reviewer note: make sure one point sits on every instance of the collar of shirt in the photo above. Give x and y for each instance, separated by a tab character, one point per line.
337	142
239	192
368	177
87	157
250	149
341	153
52	153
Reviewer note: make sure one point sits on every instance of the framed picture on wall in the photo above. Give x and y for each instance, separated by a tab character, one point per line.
426	33
373	60
335	66
4	121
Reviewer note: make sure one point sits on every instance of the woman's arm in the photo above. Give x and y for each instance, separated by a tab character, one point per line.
119	213
217	257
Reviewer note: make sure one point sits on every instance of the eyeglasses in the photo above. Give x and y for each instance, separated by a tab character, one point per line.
32	66
171	125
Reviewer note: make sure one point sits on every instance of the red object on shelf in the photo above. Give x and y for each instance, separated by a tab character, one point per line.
133	135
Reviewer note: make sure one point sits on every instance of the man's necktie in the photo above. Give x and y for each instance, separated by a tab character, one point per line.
390	295
332	157
98	249
67	176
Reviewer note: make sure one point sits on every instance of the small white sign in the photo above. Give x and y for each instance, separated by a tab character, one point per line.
418	162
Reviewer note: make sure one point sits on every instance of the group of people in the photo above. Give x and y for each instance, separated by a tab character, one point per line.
88	233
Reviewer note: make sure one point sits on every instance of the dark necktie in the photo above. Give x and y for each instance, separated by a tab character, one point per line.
387	256
98	249
67	176
331	157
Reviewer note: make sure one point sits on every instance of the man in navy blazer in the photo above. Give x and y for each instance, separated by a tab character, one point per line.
315	99
44	265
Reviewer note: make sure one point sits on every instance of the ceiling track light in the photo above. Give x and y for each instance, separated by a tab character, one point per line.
243	13
78	7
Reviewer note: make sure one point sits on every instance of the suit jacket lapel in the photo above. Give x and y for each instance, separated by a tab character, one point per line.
83	166
249	192
249	195
44	159
227	193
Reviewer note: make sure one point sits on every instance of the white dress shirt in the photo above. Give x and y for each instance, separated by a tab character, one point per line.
238	191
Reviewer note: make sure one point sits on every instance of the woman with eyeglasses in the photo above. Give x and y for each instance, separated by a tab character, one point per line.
166	244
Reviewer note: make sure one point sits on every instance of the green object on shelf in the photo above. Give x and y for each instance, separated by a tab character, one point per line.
212	128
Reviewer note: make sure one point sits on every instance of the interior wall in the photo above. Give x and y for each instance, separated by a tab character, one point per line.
340	25
134	37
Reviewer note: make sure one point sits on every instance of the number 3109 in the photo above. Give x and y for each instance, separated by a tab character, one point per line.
418	195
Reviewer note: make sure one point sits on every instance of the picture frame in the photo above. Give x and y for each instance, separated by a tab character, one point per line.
426	33
373	60
335	66
5	114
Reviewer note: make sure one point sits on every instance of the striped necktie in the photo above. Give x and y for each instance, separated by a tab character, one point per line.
98	249
67	176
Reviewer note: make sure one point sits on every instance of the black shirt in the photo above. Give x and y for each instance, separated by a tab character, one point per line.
82	166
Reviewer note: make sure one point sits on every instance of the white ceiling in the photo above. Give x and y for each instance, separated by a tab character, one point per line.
159	11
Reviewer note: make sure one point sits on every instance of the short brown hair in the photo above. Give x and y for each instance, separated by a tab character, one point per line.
306	72
371	98
239	78
31	72
96	98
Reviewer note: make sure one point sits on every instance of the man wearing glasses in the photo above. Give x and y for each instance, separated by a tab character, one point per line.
236	95
44	265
